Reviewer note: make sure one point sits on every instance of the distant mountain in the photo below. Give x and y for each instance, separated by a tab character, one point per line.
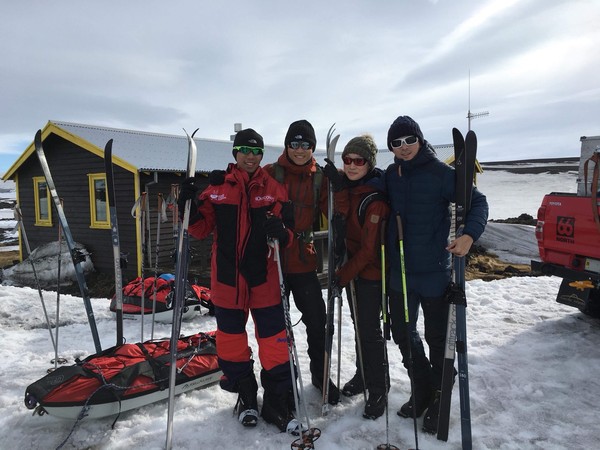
549	165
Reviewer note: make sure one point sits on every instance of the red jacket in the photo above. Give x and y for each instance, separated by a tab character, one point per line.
363	242
301	256
243	270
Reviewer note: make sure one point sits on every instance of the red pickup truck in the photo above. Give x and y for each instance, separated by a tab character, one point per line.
568	235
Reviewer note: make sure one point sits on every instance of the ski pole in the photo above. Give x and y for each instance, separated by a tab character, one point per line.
386	337
407	326
19	218
361	364
310	434
162	217
58	360
144	219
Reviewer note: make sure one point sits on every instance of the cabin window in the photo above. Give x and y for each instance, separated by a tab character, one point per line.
43	205
98	201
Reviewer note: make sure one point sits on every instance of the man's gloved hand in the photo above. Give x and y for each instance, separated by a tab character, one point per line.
216	177
188	191
334	176
276	230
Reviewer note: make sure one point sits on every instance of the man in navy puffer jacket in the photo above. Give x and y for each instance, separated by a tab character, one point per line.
420	188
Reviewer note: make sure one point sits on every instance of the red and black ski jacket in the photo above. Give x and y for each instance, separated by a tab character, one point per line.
243	271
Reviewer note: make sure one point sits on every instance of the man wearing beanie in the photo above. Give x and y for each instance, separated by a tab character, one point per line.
243	213
420	188
307	189
366	211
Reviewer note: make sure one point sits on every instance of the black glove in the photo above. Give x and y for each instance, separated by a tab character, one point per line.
276	230
216	177
335	177
188	191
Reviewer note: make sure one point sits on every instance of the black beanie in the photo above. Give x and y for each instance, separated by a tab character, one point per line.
404	126
364	146
301	130
249	138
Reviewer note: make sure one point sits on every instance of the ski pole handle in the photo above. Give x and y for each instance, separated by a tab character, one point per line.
384	302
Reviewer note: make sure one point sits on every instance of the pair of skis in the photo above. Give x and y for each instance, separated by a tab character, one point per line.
333	292
465	153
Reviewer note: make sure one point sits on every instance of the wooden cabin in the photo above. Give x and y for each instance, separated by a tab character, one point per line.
144	162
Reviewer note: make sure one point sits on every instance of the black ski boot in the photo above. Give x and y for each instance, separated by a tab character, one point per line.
334	392
421	403
276	411
430	422
354	387
375	406
247	406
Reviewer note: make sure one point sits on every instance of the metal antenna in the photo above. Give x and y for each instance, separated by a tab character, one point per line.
473	115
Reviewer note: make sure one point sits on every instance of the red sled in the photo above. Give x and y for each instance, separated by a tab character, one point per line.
160	290
125	377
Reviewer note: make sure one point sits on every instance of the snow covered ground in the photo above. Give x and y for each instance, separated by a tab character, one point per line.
533	366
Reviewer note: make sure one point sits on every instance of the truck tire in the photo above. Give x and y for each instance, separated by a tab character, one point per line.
592	307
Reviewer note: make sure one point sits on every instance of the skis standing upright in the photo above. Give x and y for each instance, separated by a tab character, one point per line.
75	255
114	233
180	288
465	153
332	293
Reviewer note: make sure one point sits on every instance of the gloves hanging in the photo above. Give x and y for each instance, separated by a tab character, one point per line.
275	229
337	180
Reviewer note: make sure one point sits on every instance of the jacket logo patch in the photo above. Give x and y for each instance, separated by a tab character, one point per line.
374	218
265	198
218	197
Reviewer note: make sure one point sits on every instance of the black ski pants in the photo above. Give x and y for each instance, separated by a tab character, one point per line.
427	373
308	297
368	315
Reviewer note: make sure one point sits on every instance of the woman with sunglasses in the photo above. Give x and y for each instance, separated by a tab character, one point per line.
420	188
243	213
363	267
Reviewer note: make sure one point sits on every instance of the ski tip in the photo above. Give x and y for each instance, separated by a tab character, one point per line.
108	145
38	138
195	131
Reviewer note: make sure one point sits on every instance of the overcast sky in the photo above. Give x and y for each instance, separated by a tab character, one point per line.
164	65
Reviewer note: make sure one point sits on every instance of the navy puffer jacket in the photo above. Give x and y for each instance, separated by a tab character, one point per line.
421	190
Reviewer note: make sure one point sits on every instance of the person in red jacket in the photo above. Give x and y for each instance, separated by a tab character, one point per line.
243	213
367	209
307	189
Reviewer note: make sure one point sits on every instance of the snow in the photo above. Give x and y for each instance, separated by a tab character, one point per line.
533	368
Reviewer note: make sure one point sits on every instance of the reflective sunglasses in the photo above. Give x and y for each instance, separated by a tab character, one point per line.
296	145
357	161
247	150
408	140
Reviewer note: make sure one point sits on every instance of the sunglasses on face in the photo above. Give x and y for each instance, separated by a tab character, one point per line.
296	145
357	161
247	150
408	140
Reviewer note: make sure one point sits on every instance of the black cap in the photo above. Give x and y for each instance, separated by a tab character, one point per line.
301	130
